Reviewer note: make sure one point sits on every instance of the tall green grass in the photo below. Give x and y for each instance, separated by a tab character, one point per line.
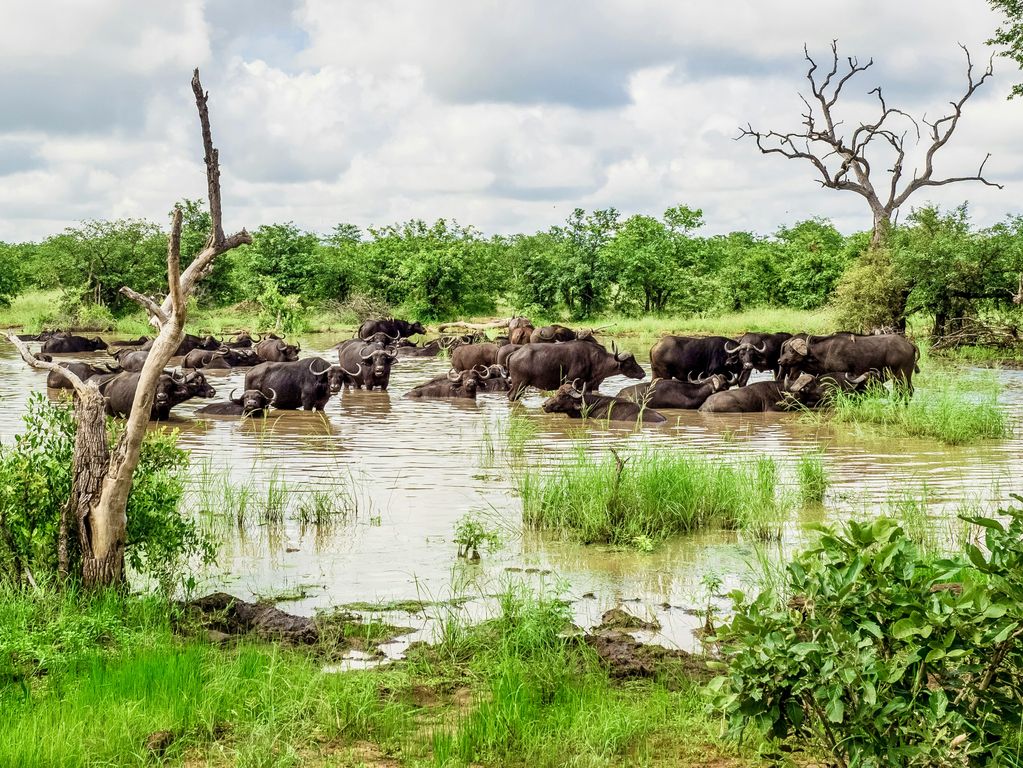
651	494
812	477
945	410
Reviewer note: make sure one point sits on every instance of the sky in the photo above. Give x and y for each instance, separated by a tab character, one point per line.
503	115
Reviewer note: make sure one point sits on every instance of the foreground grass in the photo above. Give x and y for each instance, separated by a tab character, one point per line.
651	496
89	681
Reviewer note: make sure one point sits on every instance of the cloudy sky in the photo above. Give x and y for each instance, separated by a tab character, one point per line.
501	114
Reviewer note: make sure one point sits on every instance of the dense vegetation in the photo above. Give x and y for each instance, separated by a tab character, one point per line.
937	264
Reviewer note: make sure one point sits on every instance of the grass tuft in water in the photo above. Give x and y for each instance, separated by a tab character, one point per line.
953	411
651	496
813	477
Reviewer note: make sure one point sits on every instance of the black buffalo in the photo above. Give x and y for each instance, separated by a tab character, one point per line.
431	349
892	355
493	378
579	404
242	340
131	360
757	352
220	359
507	351
682	357
759	397
252	402
189	342
394	329
130	342
462	384
307	383
275	350
171	390
672	393
548	334
548	366
56	380
366	365
814	390
474	355
66	343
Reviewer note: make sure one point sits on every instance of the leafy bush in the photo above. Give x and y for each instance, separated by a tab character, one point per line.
872	293
35	483
882	655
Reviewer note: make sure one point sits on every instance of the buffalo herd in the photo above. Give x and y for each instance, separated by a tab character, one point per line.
710	374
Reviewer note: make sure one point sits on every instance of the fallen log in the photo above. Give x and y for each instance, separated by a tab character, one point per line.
477	326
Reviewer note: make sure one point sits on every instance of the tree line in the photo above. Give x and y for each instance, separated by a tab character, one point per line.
937	263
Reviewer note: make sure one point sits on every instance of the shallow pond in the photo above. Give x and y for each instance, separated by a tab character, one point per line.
407	471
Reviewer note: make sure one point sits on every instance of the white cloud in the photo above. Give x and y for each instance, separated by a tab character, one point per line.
502	115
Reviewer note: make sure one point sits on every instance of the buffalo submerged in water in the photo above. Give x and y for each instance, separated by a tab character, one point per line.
579	404
307	383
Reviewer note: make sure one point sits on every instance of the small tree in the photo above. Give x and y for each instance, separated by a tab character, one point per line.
101	478
842	161
1010	35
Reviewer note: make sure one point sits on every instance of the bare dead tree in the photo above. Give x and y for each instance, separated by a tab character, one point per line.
101	477
842	162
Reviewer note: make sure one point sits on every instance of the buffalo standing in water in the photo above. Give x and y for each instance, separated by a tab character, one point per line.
55	380
431	349
579	404
395	329
548	366
366	364
171	390
672	393
306	384
474	355
757	352
892	355
681	357
275	350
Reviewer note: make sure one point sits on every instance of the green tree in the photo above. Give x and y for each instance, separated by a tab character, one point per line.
534	268
12	276
283	253
92	261
585	274
1010	35
814	257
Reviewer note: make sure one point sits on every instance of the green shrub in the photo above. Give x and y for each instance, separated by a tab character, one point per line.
882	655
871	293
813	477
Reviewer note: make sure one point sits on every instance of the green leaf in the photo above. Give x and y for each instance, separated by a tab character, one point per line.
986	522
836	709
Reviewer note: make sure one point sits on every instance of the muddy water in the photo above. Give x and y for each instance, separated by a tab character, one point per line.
408	470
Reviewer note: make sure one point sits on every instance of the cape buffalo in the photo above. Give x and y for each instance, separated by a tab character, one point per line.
365	364
759	397
274	350
395	329
821	389
54	380
679	357
220	359
171	390
505	352
472	355
307	383
130	342
131	360
493	378
756	352
188	343
242	340
590	405
453	384
66	343
548	334
431	349
672	393
893	355
251	403
548	366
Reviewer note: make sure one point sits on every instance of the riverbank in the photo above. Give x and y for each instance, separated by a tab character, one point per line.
517	689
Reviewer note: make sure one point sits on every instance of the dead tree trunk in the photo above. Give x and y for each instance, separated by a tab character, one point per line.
845	163
102	478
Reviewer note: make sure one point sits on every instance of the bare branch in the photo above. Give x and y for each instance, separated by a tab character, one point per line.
154	309
44	365
212	159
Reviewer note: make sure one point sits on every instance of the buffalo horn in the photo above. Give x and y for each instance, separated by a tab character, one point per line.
454	375
357	372
273	395
482	371
862	377
232	398
761	349
317	373
366	349
732	350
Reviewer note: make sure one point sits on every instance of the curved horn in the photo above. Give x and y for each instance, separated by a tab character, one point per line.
862	377
232	398
318	373
273	397
734	349
761	349
357	372
364	350
456	377
482	370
